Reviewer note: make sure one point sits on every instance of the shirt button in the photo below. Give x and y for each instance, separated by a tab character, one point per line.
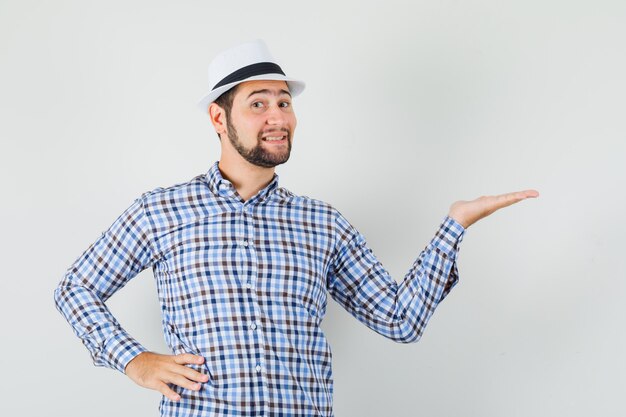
258	368
253	326
248	285
245	242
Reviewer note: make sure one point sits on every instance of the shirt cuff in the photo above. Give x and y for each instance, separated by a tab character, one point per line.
448	238
121	349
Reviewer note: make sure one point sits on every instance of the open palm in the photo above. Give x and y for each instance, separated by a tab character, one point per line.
469	212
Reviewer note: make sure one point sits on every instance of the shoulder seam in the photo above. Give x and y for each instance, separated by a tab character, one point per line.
150	231
173	187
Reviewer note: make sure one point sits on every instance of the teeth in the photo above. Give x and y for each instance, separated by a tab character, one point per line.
273	138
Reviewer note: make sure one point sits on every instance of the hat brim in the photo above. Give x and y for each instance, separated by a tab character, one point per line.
295	88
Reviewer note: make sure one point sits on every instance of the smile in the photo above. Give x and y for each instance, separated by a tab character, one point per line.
274	138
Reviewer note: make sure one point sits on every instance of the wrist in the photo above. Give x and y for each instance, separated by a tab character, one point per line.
134	360
459	219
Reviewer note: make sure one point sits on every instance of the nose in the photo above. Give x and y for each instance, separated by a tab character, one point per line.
275	116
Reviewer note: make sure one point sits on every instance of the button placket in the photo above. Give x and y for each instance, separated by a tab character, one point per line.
249	251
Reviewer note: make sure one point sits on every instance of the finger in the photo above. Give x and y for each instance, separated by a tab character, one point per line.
185	358
192	374
524	194
164	389
183	382
504	200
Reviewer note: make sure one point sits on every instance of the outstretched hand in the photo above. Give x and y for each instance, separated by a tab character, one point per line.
469	212
155	371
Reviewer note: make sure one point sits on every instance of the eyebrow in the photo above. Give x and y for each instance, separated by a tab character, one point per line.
267	91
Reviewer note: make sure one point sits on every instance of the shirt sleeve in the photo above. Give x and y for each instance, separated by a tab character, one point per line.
361	285
118	255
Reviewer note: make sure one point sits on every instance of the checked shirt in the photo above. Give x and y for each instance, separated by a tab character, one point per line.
245	285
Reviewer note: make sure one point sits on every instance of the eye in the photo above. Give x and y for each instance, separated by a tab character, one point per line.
257	104
285	104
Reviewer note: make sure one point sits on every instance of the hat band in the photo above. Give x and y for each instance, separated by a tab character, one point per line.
250	71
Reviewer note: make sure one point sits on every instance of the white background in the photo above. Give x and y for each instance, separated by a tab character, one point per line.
409	106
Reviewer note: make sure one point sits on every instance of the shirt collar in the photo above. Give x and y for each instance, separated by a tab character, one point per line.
220	186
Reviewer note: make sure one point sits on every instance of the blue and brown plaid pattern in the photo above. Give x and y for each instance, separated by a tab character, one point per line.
245	284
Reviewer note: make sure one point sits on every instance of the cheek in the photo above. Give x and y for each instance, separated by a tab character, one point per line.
293	121
248	126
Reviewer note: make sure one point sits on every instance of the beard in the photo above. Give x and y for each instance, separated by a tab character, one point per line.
258	155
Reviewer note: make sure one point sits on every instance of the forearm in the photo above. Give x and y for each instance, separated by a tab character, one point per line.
397	311
91	320
118	255
431	277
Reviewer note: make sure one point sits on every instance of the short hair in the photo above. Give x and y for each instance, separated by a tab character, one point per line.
225	101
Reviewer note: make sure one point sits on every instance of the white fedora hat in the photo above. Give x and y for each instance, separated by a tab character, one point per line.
246	62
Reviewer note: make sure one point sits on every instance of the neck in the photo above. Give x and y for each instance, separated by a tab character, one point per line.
248	179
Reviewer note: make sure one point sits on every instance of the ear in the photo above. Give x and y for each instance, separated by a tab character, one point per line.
218	118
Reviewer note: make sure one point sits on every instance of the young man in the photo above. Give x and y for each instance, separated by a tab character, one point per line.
243	267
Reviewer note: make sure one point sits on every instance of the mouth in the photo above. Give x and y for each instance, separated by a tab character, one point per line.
275	138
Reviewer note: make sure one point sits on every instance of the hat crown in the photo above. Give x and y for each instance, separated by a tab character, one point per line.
245	62
236	58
